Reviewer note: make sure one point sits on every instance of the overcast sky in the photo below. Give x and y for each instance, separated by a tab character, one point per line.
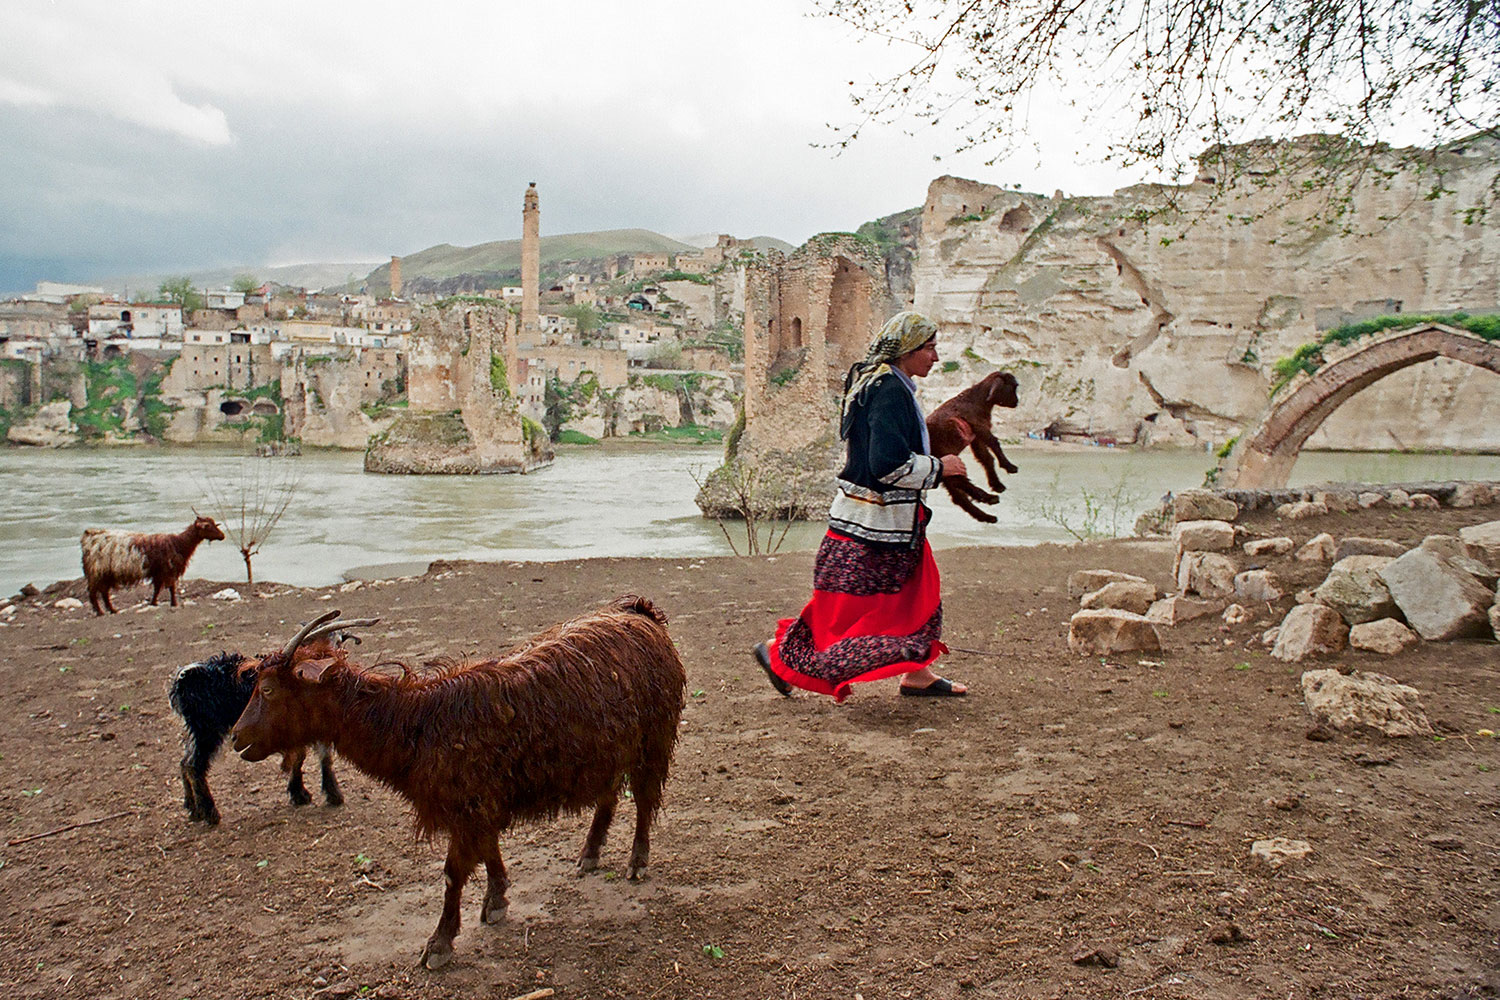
175	134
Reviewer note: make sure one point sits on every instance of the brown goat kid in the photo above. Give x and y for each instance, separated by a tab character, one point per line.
559	725
123	558
964	422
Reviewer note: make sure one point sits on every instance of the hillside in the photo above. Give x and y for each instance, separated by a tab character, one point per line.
444	261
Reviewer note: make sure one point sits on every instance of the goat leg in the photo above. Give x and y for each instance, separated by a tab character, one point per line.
993	444
291	766
493	909
438	951
986	459
604	814
332	794
959	490
195	794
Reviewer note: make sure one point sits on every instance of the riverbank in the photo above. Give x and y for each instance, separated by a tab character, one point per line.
888	847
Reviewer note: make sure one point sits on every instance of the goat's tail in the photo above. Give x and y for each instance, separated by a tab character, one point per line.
635	604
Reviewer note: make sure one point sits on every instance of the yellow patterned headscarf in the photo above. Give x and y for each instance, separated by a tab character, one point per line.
901	334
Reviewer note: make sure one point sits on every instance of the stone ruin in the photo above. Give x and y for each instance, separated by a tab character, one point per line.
808	317
461	416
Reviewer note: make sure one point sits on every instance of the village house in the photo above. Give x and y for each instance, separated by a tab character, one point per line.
135	320
642	264
386	316
223	298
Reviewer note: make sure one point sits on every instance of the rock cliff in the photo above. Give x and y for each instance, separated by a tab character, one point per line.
1154	314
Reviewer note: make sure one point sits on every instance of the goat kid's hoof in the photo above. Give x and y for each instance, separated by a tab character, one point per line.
335	800
493	913
586	865
636	873
436	955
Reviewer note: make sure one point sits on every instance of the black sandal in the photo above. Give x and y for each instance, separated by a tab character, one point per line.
763	657
940	688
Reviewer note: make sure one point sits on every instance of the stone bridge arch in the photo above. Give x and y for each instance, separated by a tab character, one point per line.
1263	459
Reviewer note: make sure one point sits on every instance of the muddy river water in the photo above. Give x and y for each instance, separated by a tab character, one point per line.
593	501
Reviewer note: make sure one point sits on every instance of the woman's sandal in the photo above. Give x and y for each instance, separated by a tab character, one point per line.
940	688
763	657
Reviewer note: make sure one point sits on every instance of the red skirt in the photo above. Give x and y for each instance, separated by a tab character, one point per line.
875	612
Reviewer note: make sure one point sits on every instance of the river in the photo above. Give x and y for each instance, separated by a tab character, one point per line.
600	501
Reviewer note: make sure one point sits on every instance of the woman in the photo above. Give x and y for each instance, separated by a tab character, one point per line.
876	609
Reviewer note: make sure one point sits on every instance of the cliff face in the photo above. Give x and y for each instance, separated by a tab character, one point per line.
1124	319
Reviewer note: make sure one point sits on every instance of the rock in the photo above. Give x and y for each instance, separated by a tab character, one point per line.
1444	842
1436	598
1258	586
1338	502
1301	510
1202	505
1208	574
1122	595
227	594
1354	589
1386	636
1102	956
69	604
29	590
1310	630
1424	501
1495	617
1364	701
1237	614
1368	500
1482	542
1277	851
1268	637
1320	548
1358	546
50	427
1471	495
1228	933
1451	548
1086	581
1305	597
1269	546
1203	536
1177	609
1398	498
1098	632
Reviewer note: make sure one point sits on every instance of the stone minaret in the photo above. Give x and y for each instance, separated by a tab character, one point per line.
531	260
395	277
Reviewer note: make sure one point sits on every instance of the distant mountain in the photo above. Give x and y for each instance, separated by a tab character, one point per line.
702	240
310	276
443	262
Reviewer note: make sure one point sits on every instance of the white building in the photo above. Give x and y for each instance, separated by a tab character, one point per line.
135	319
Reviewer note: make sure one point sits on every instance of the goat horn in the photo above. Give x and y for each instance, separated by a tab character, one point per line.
337	626
307	629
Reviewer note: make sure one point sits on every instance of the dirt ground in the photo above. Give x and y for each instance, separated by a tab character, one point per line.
888	847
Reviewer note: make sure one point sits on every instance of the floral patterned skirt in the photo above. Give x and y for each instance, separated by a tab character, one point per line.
875	612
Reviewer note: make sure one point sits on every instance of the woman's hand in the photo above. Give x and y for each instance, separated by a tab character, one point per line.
953	466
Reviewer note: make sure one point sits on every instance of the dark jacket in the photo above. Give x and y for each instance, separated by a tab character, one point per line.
880	487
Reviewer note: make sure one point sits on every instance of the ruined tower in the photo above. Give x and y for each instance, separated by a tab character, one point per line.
395	277
531	258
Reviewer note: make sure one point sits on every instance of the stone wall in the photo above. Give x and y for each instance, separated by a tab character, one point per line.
1125	319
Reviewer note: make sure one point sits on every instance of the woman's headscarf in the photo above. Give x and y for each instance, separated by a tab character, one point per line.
902	334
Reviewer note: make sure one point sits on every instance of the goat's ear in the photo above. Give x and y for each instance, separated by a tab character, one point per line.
312	670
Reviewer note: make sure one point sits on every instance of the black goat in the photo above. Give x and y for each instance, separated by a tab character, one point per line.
209	697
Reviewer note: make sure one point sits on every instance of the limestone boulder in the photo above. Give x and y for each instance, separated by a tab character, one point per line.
1269	636
1495	619
1207	574
1301	510
1436	598
1338	502
1086	581
1203	505
1398	498
1261	547
1257	586
1310	630
1364	701
1203	536
1237	614
1424	501
1354	589
1386	636
1472	495
1122	595
1482	542
1177	609
1100	632
1319	548
1451	548
51	427
1355	545
1370	500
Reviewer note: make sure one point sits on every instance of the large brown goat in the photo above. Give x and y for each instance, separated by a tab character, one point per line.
559	725
964	422
122	558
